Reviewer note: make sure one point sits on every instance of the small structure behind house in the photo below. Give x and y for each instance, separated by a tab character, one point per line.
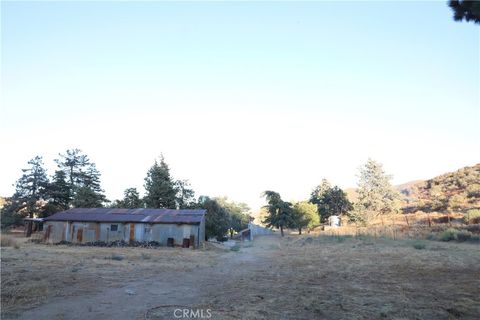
168	227
252	231
334	221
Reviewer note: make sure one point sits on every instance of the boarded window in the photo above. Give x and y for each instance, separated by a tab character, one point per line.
114	227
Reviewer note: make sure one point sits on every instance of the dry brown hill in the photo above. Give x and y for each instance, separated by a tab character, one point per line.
458	190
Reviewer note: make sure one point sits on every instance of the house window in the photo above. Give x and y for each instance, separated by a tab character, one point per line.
114	227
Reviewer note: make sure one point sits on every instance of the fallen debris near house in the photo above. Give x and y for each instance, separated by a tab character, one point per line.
117	243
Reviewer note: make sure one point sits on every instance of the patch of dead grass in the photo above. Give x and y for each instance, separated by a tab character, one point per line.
38	272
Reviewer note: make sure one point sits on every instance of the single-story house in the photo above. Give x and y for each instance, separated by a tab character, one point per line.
166	226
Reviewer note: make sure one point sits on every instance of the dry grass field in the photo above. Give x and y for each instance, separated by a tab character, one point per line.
296	277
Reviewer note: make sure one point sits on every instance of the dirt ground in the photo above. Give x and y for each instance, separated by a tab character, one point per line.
296	277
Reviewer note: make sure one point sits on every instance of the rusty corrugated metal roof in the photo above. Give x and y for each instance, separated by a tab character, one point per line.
129	215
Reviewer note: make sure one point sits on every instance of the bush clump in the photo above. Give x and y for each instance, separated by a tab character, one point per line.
472	216
448	235
463	235
419	245
8	241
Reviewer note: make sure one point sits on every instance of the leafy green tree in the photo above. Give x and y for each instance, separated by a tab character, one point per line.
465	9
217	219
160	187
338	203
319	197
86	197
330	200
305	216
238	214
280	213
80	173
376	196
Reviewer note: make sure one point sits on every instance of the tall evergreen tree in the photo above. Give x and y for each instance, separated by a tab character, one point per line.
30	188
131	199
159	187
80	172
185	196
280	213
86	197
376	196
58	191
465	9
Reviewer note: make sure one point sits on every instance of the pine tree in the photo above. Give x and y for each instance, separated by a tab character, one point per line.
30	188
159	187
185	196
86	197
131	199
58	191
465	9
376	196
80	172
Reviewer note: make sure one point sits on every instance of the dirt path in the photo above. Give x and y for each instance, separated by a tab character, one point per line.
132	299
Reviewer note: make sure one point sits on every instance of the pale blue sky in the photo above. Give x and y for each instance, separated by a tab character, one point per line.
233	93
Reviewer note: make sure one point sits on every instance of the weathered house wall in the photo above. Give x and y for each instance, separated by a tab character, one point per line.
83	232
256	230
161	233
54	231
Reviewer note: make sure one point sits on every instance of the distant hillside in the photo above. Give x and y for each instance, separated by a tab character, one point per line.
458	191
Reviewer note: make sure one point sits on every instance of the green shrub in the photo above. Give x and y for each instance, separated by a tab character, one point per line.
475	238
472	216
463	235
448	235
419	245
235	248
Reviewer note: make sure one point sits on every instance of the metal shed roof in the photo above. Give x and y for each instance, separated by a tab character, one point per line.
129	215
